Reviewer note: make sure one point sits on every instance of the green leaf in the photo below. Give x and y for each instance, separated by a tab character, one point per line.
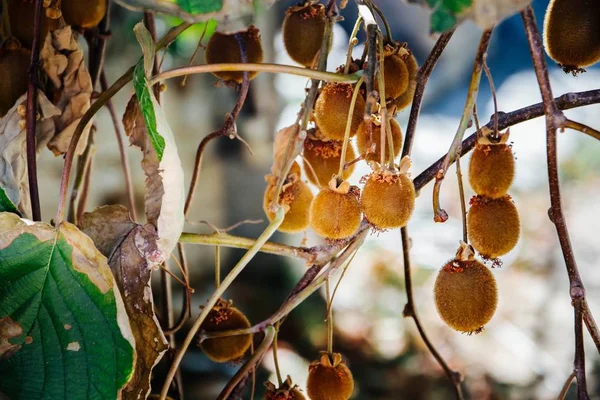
145	98
445	13
6	204
64	332
200	6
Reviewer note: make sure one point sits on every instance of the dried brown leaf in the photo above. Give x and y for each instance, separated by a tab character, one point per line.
280	146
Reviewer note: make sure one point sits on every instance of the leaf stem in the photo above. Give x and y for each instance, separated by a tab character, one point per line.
351	43
355	93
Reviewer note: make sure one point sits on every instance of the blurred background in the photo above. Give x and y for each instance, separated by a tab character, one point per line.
525	352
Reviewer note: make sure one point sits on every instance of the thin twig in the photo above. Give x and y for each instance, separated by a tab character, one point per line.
186	311
488	74
566	386
461	192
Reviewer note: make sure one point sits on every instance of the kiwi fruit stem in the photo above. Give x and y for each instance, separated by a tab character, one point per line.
355	93
351	43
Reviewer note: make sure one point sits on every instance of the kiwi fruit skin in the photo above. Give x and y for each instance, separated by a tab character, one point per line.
324	158
303	30
298	197
84	14
388	201
224	48
466	295
14	66
493	225
395	76
224	317
572	33
326	382
332	108
21	15
363	143
491	169
335	215
405	99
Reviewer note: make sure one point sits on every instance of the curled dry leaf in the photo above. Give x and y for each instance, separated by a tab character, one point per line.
487	13
130	248
13	159
62	60
280	147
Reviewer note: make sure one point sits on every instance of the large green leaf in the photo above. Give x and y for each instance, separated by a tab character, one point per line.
6	204
445	13
64	332
200	6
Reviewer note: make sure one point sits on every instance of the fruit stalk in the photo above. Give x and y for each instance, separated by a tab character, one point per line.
351	43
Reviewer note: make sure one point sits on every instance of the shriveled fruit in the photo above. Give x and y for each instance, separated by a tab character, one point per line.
332	108
335	211
287	391
225	317
388	199
322	160
465	295
14	64
329	379
494	225
395	74
297	196
224	48
21	16
83	14
303	29
572	33
492	169
364	142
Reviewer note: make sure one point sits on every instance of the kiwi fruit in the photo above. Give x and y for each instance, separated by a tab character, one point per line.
21	15
465	295
335	211
329	379
395	74
224	317
493	225
287	391
224	48
572	33
14	77
303	30
364	142
388	199
83	14
412	65
491	169
332	108
296	196
322	160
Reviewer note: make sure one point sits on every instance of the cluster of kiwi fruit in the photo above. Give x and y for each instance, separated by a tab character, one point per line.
493	220
572	33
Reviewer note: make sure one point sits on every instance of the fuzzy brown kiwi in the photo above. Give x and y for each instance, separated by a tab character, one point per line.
364	142
572	33
405	99
329	379
493	225
14	64
287	391
388	199
224	317
297	196
21	15
332	107
465	295
335	211
412	65
395	75
224	48
303	30
322	160
83	14
491	169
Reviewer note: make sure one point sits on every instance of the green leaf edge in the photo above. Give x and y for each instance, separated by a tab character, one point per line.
6	204
200	6
143	94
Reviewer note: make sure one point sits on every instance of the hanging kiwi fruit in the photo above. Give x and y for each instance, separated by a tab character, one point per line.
303	29
465	292
335	211
332	108
395	71
224	317
21	14
492	167
14	64
83	14
224	48
364	141
322	159
572	33
286	391
296	196
329	379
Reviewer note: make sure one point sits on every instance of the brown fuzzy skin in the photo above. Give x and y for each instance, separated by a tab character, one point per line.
388	201
332	107
21	14
13	77
406	98
224	48
395	76
363	143
465	295
328	382
84	14
491	169
324	158
334	215
224	317
572	33
298	197
493	225
303	30
412	65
